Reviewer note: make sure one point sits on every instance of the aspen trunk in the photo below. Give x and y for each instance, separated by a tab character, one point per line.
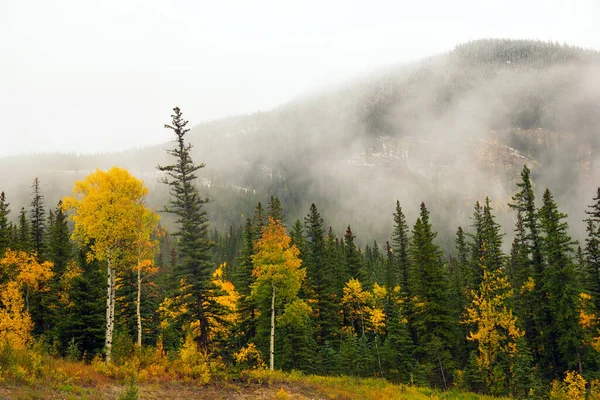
272	349
138	306
110	308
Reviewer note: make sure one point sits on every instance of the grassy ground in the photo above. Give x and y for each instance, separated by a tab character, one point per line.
88	384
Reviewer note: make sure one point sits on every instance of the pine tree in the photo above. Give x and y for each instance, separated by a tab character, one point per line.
82	320
245	280
398	347
432	321
194	267
320	278
352	257
297	348
400	249
562	334
23	232
492	238
298	239
474	276
38	220
258	222
334	259
275	210
592	253
528	265
5	225
59	246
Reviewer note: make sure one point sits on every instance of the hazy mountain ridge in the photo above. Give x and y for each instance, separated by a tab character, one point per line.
447	130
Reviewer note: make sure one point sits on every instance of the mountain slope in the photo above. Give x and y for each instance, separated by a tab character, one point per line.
447	130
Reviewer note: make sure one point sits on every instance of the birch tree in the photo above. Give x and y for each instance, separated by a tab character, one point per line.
106	208
278	273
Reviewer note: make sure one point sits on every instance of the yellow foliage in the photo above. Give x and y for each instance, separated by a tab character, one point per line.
194	362
282	394
496	328
365	307
24	273
72	271
572	387
528	286
250	357
15	322
108	207
276	264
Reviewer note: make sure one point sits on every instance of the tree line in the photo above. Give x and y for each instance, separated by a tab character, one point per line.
98	275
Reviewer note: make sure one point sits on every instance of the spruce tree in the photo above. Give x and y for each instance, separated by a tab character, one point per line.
83	320
194	267
400	249
474	275
245	279
298	239
59	246
5	225
320	278
275	210
492	237
562	334
528	265
592	252
432	319
258	222
352	257
23	232
38	220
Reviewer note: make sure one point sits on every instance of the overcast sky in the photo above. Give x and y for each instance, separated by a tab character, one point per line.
90	76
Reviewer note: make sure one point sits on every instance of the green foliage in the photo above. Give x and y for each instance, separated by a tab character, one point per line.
431	316
320	278
5	225
194	267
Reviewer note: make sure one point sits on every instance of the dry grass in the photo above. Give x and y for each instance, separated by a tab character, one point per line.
34	374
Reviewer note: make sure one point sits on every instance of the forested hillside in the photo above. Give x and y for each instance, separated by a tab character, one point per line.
447	130
412	227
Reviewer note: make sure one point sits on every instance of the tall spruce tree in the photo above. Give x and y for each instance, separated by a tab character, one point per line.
23	232
38	220
592	252
352	257
245	279
562	337
194	267
275	210
432	319
5	225
400	249
527	262
320	278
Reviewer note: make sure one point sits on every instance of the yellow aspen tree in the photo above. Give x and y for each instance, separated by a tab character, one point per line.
106	208
145	250
20	272
495	326
278	272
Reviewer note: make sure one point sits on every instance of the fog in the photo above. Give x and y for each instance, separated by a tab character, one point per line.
448	130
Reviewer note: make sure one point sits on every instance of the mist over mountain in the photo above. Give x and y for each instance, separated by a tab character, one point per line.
447	130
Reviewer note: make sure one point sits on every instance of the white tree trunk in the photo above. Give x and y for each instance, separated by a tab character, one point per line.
138	306
272	349
110	308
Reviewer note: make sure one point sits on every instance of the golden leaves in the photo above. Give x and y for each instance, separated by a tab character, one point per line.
496	329
276	264
23	272
107	210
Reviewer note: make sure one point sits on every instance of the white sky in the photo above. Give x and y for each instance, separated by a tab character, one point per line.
91	76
